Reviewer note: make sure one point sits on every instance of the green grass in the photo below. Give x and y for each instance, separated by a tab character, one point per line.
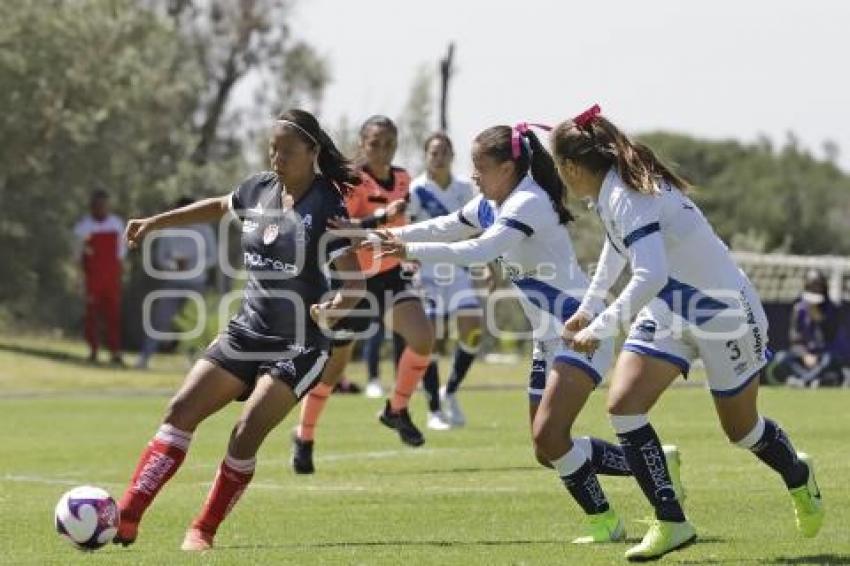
472	496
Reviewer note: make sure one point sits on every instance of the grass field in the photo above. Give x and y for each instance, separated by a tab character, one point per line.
472	496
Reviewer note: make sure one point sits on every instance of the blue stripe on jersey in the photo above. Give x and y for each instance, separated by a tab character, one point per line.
463	219
548	298
486	214
516	224
639	233
683	299
429	202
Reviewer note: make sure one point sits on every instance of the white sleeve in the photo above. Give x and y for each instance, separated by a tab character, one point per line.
414	206
81	232
486	247
448	228
122	245
638	217
610	265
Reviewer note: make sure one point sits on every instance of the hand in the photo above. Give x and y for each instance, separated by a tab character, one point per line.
346	228
385	244
396	208
584	342
574	324
810	360
137	229
321	315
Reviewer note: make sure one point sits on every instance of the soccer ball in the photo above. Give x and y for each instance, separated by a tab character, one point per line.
87	516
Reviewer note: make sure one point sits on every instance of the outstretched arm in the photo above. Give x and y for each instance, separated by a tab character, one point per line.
206	210
495	241
447	228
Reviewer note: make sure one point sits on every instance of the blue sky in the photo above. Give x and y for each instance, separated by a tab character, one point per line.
714	69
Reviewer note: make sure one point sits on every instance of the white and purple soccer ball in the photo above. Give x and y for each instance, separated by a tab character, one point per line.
87	516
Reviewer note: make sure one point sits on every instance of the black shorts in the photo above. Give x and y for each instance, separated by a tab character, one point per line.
249	356
382	292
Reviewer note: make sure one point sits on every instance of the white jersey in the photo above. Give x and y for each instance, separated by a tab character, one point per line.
525	236
428	200
89	226
674	254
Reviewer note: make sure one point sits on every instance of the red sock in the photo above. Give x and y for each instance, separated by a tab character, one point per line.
311	410
230	482
411	368
159	461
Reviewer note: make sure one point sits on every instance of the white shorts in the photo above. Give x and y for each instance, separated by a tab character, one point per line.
547	353
449	295
732	342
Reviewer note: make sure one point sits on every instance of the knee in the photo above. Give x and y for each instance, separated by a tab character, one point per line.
181	414
739	432
548	437
542	459
620	405
241	444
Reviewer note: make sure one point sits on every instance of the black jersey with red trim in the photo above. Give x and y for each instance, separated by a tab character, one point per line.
285	247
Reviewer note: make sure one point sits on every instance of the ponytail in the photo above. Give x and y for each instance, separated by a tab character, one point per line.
545	174
595	143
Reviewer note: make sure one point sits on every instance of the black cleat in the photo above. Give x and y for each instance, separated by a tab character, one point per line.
401	423
302	456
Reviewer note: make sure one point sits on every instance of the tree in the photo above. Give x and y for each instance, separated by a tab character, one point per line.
781	199
127	95
415	121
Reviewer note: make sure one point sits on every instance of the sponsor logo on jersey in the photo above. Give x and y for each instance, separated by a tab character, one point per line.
259	261
270	233
249	226
644	331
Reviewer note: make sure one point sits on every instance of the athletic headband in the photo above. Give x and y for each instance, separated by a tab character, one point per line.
299	128
584	119
518	136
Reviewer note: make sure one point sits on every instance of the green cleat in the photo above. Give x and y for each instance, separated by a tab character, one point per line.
674	466
604	527
661	538
808	506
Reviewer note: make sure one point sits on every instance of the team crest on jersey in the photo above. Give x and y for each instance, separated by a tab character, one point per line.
270	233
644	331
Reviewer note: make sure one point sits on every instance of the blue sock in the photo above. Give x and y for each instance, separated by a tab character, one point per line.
460	366
576	471
772	446
648	464
431	385
372	354
608	459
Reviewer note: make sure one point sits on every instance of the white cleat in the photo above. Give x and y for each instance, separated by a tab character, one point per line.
451	408
374	389
436	421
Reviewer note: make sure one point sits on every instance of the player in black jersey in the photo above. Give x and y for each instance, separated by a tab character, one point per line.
273	351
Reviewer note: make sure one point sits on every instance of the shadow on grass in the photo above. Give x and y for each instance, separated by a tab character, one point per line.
464	470
813	559
47	354
377	543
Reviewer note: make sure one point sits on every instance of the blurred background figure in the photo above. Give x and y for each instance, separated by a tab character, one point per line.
177	253
819	350
101	249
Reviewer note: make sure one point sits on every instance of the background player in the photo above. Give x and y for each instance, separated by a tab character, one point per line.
448	288
272	351
101	250
693	301
379	199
